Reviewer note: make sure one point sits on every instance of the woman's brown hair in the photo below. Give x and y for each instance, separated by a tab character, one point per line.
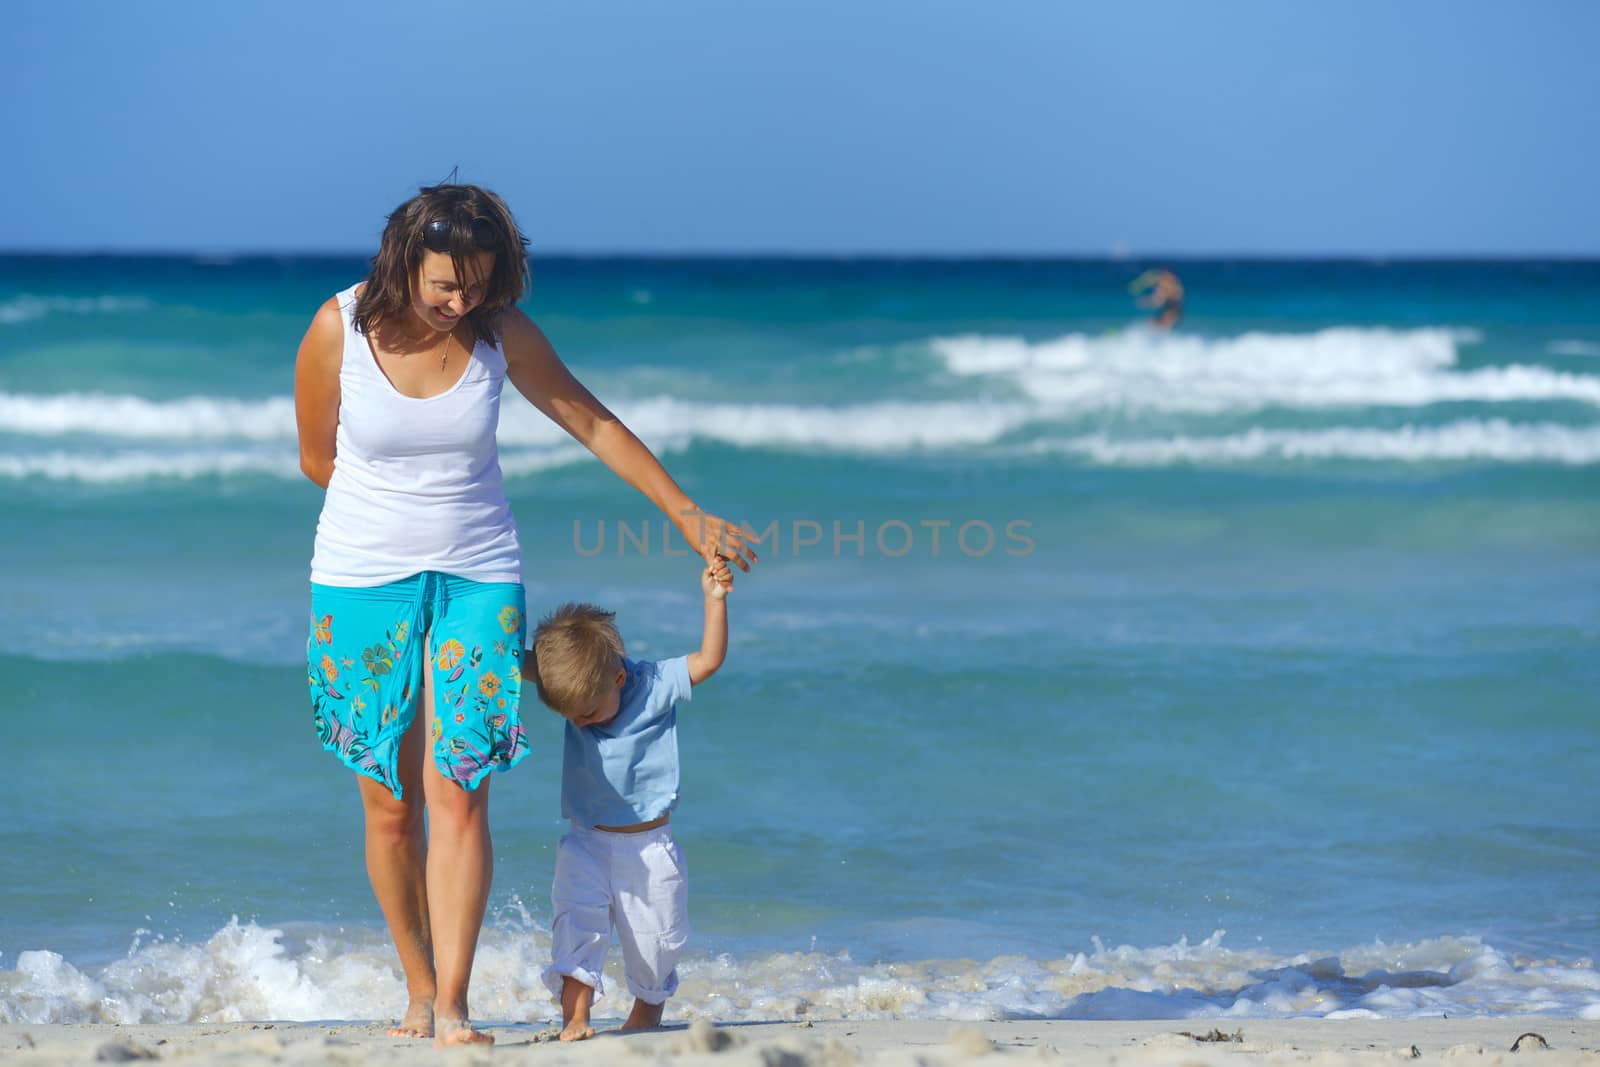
470	214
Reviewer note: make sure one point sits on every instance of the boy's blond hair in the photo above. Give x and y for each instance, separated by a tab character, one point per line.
576	653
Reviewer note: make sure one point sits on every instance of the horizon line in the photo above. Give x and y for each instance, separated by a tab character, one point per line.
225	255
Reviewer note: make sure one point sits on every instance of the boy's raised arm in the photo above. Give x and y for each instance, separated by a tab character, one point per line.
715	581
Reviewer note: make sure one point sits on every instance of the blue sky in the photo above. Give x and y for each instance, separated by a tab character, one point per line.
898	126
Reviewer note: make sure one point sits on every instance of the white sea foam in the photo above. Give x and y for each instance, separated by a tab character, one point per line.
246	971
120	468
869	428
25	307
1567	347
1045	387
1493	440
1141	370
1475	441
117	468
864	427
1074	374
188	418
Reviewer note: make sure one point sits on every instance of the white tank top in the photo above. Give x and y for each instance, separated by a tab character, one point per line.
416	484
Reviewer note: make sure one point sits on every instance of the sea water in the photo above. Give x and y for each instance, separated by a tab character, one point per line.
1251	669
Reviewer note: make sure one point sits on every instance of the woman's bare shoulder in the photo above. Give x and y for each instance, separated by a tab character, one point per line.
325	335
520	336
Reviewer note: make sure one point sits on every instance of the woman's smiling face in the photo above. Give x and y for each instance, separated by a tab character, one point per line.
439	298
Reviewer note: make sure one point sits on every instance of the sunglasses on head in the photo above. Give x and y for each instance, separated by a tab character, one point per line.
436	235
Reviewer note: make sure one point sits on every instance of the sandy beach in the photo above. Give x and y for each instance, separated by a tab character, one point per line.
1171	1043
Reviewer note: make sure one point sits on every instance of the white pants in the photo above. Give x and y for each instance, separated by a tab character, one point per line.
633	882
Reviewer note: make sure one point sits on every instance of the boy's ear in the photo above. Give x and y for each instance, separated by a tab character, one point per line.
622	677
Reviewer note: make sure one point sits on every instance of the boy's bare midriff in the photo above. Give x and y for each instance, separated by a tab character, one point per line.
638	827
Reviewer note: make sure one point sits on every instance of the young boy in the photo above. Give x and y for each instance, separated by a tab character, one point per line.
619	781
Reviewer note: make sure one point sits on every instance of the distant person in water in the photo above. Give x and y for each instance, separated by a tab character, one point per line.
1162	291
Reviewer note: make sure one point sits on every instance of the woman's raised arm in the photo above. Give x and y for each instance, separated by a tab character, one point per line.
538	373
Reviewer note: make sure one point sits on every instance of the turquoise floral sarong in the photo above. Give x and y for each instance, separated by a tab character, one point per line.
365	658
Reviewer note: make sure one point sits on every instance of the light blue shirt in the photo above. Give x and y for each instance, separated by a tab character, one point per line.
626	771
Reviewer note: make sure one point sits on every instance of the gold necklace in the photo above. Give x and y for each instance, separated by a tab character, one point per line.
444	353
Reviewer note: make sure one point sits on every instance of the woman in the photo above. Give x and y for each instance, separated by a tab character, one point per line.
418	615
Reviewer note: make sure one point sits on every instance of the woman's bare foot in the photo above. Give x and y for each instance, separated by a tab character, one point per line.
577	1030
418	1021
458	1032
644	1016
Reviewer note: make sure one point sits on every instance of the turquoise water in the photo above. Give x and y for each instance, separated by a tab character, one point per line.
1253	672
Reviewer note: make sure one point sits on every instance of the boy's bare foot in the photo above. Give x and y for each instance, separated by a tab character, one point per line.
418	1021
577	1030
576	999
644	1016
449	1032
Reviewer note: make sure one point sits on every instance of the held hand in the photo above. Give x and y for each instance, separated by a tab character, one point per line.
716	538
716	580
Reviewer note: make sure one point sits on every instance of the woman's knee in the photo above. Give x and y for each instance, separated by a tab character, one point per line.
452	809
396	820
